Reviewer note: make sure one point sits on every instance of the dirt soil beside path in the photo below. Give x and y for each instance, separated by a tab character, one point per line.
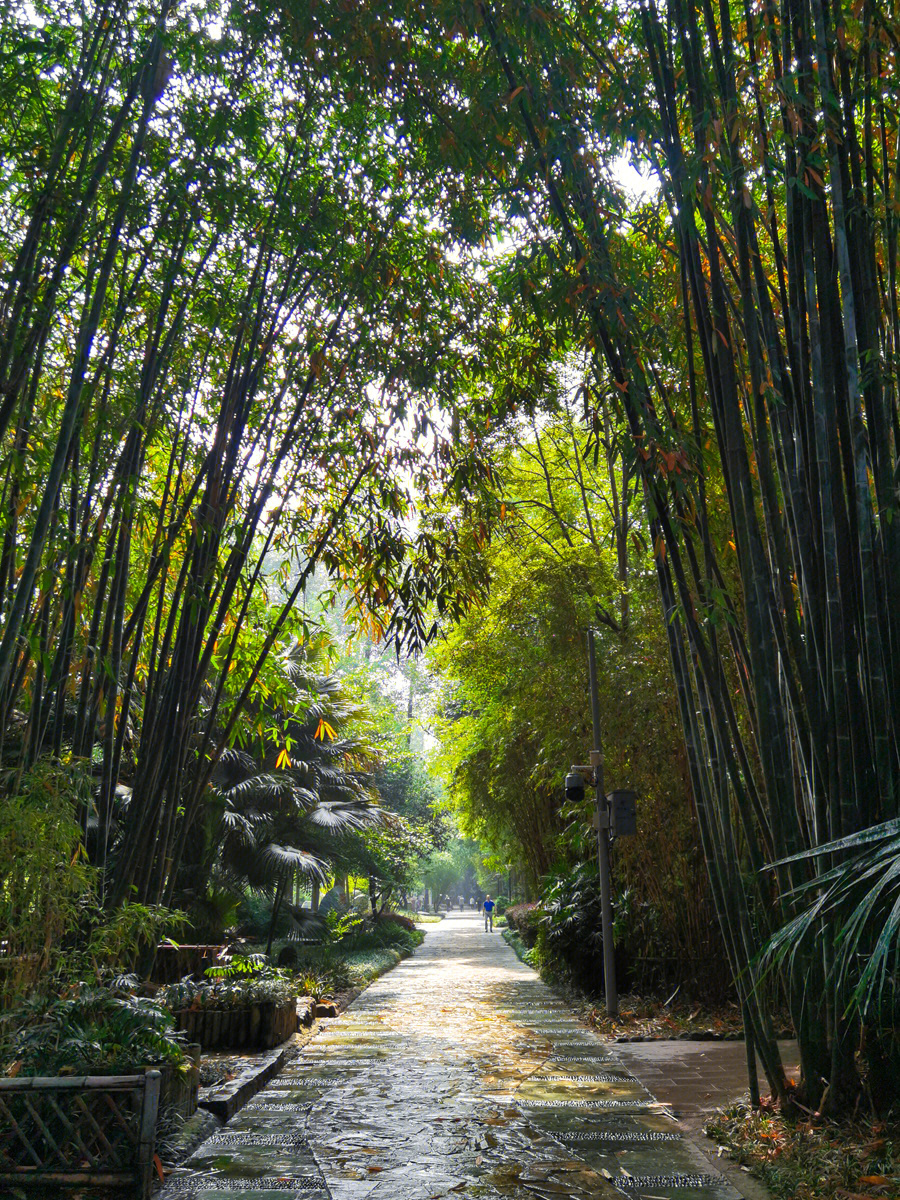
646	1019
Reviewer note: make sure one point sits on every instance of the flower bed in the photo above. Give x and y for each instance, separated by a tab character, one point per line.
242	1005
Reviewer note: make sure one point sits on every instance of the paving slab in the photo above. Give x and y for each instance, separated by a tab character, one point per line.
459	1074
697	1078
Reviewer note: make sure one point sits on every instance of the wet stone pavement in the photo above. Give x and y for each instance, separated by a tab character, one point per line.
457	1074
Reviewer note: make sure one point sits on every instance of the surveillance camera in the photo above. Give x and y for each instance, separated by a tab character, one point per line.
574	787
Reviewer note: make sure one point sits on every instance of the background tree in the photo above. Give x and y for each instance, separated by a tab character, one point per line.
514	679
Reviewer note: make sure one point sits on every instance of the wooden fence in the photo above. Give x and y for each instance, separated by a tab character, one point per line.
97	1130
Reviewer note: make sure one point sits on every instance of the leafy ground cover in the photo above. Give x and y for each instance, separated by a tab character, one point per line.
813	1159
366	965
514	939
243	982
364	950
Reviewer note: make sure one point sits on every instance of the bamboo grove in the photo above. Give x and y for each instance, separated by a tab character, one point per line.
774	133
742	329
208	257
247	252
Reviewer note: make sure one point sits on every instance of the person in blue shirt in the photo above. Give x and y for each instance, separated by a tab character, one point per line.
488	914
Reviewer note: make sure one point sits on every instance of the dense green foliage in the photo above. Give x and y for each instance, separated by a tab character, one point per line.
359	950
271	277
239	984
97	1031
513	710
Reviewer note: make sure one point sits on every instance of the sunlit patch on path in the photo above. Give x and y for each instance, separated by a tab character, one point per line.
459	1074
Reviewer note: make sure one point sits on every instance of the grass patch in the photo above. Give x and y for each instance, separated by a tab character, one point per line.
366	965
815	1159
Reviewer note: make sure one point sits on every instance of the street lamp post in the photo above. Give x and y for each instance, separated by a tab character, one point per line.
602	823
614	816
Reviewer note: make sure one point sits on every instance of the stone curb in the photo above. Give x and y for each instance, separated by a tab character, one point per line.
700	1035
224	1100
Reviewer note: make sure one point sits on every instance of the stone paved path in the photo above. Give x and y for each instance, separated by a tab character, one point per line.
457	1074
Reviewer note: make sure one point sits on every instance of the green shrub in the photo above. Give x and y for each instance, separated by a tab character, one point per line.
254	916
525	920
569	945
512	939
340	926
399	919
386	931
44	872
97	1031
238	984
322	971
287	955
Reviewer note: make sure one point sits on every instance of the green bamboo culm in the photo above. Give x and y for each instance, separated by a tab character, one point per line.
771	135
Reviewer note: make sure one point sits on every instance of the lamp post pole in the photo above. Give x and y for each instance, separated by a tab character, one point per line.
602	822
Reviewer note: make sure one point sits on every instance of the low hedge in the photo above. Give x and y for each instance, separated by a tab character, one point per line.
525	919
399	919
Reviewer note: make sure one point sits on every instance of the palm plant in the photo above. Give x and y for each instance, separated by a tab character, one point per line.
854	899
850	910
284	811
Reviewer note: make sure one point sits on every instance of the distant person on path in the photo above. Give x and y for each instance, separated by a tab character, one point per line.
488	915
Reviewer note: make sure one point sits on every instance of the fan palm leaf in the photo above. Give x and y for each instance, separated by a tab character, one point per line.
340	816
857	902
292	859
